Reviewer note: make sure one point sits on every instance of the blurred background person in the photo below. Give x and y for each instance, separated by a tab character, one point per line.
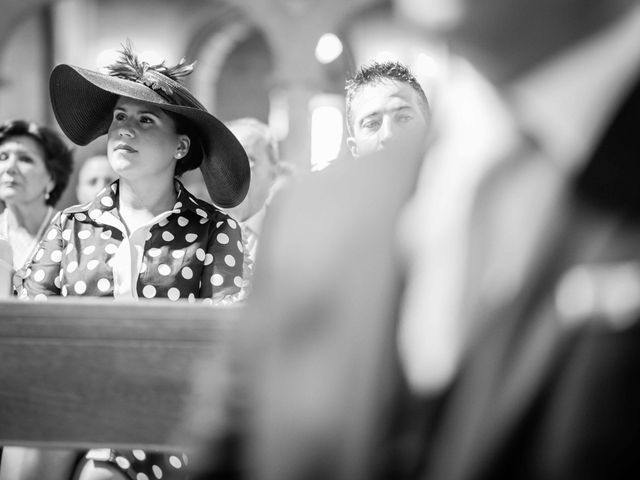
35	165
266	173
94	175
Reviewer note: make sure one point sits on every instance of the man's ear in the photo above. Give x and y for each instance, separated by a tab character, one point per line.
353	146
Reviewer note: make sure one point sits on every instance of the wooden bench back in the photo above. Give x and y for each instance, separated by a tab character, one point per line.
92	372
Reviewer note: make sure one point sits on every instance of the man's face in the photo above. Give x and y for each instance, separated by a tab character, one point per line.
384	112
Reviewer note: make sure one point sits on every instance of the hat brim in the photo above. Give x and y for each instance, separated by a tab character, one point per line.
83	101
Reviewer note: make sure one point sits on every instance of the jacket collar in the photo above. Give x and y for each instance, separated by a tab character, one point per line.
107	200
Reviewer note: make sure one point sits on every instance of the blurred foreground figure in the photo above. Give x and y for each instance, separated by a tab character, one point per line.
547	386
314	368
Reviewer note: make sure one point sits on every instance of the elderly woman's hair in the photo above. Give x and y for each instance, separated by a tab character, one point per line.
58	158
378	72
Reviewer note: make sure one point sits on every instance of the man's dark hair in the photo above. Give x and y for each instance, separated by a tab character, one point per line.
377	72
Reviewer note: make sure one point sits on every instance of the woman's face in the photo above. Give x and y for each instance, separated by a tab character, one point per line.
23	173
142	141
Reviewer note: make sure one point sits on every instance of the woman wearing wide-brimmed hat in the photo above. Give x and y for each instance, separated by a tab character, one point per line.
145	236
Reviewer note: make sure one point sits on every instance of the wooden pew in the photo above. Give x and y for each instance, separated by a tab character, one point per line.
92	372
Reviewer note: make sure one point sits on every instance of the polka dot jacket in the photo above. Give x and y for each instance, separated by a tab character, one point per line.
193	251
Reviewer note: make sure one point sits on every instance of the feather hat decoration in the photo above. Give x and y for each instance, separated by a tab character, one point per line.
83	101
158	77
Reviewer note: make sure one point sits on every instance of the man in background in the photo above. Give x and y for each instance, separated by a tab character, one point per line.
384	103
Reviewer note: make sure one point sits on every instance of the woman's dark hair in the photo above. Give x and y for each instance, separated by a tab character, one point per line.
193	158
58	158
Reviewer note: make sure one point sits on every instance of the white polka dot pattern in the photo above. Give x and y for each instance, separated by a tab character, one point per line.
175	461
139	454
164	269
149	291
187	273
192	252
123	462
80	287
222	238
157	471
111	248
104	285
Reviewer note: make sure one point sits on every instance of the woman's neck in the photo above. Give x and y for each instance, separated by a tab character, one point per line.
28	216
139	202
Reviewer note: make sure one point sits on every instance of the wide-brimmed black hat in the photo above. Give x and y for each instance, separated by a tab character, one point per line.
83	102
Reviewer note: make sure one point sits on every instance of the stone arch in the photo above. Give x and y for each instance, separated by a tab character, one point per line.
235	65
